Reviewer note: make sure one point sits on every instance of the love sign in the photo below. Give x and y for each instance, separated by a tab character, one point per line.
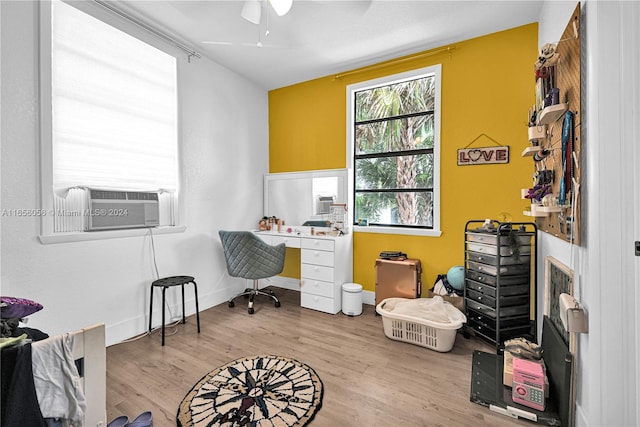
483	156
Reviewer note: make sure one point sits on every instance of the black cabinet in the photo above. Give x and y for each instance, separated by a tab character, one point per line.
500	283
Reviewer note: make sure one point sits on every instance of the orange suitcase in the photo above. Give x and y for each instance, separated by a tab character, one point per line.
399	279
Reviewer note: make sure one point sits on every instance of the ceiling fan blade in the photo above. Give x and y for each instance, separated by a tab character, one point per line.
258	44
281	7
218	43
251	11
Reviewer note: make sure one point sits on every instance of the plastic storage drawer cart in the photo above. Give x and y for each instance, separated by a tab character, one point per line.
438	336
499	283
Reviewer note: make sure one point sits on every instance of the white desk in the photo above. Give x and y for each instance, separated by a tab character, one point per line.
326	263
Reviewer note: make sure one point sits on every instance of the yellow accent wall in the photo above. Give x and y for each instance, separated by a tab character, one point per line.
487	88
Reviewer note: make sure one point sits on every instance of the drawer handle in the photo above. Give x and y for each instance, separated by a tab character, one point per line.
479	288
316	253
316	269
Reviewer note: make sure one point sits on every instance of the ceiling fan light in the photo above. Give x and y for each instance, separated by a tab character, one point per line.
251	11
281	7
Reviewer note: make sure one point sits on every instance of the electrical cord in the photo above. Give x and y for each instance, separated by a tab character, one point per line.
153	251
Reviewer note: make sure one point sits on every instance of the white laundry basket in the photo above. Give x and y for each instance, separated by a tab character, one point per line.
352	299
423	332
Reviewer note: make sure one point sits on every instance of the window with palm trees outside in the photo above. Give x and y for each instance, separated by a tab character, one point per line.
395	137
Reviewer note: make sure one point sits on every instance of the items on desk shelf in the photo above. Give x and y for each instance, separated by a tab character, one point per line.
263	224
270	223
338	213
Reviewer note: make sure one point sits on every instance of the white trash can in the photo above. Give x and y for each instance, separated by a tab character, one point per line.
352	299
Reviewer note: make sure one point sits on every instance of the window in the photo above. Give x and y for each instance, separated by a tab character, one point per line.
109	117
394	127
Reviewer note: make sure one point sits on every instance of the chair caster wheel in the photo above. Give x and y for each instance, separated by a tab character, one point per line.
250	310
277	303
231	304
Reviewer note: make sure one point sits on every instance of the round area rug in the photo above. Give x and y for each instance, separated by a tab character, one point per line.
254	391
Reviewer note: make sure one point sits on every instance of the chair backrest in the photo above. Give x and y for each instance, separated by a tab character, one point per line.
249	257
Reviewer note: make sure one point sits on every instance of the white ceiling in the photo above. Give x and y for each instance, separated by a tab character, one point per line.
323	37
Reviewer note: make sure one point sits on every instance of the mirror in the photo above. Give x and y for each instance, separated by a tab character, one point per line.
298	197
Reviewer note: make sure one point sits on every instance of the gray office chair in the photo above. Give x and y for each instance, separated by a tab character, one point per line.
250	257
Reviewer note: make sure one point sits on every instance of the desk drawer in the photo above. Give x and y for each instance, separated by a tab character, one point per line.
311	256
290	241
317	287
319	244
315	302
317	272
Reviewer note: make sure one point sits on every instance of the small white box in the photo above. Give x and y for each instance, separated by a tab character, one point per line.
536	133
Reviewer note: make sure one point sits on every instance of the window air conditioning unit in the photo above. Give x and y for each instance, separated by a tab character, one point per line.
323	205
112	210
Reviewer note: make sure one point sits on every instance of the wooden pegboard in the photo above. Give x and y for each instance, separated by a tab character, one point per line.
565	224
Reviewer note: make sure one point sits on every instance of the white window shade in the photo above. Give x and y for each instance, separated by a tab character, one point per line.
114	107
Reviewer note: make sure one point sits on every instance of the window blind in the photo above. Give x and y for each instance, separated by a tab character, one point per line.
114	107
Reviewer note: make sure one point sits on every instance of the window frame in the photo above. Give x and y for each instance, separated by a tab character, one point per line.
47	234
436	71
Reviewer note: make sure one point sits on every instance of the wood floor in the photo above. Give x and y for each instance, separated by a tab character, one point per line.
369	380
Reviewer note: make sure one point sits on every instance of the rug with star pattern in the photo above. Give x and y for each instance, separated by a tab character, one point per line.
254	391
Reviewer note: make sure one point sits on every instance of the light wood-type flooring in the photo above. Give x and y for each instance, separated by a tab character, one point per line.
369	379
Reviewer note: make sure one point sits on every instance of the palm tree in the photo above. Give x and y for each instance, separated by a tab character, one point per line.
400	130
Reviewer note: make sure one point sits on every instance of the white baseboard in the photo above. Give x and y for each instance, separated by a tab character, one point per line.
280	282
368	297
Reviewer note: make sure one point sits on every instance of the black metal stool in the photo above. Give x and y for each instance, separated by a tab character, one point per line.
168	282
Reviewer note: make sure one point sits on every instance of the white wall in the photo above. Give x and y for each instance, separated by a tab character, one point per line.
224	154
606	273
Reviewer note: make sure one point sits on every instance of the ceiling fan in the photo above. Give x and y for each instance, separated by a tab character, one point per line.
252	9
252	12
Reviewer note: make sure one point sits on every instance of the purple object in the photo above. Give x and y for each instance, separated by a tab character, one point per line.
16	308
